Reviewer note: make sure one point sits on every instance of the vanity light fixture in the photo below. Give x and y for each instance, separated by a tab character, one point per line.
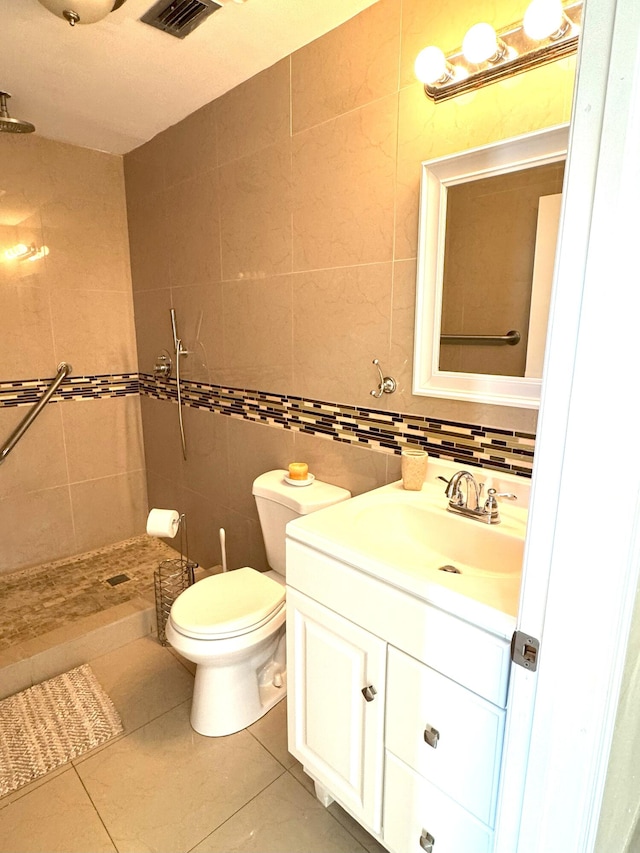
548	32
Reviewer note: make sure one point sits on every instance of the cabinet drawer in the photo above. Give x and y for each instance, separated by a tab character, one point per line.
446	733
462	756
413	807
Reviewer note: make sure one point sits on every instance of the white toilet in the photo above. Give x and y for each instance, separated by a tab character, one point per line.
232	624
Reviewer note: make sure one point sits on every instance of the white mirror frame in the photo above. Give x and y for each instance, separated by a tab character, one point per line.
510	155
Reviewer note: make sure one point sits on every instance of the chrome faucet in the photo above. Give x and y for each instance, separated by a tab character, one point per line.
469	504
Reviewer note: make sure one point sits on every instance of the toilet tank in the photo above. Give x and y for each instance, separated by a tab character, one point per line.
279	503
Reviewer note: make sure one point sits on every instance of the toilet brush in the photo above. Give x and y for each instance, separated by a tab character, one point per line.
223	549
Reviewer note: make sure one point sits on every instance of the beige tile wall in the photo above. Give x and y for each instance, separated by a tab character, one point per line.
76	480
281	222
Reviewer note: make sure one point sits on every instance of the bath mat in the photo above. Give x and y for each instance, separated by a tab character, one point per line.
47	725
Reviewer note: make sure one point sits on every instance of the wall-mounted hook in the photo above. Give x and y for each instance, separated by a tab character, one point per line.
387	383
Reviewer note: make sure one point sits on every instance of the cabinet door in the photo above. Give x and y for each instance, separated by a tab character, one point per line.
336	687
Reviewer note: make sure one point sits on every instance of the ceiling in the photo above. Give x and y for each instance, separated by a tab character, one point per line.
115	84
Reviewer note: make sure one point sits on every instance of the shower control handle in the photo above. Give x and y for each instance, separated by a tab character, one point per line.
162	367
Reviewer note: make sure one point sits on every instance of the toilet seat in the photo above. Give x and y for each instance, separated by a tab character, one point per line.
227	605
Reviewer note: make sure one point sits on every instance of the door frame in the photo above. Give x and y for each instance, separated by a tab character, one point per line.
583	545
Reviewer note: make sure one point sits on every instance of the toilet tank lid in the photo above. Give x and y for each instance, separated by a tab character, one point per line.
301	499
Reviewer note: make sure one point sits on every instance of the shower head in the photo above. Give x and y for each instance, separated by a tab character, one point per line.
11	125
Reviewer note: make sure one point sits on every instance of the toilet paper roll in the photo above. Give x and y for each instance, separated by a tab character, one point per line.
163	522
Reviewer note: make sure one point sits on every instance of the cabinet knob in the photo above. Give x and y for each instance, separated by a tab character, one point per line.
427	841
431	736
369	692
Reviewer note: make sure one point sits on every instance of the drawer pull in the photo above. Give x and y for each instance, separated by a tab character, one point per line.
431	736
369	692
427	841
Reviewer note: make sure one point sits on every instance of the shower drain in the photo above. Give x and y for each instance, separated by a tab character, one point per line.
116	579
451	569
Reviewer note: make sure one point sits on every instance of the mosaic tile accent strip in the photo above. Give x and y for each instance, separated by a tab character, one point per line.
26	392
388	432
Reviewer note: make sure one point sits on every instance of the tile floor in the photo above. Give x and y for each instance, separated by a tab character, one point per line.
161	787
52	595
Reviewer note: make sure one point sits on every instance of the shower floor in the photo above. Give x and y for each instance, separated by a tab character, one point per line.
50	596
59	615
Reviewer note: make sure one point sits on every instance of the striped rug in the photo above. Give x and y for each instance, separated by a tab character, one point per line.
46	726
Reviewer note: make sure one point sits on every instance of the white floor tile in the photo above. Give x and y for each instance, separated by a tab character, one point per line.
271	731
143	680
56	817
282	819
164	787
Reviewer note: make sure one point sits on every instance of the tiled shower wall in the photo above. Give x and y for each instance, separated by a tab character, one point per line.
281	223
76	480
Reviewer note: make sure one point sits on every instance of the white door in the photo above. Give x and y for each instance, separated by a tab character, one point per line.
583	553
336	681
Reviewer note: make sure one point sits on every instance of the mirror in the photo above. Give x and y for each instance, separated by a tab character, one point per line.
488	227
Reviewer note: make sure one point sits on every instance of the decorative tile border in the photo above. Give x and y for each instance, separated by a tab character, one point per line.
28	391
387	432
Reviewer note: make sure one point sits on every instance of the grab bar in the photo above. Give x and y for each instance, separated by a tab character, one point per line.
64	370
511	339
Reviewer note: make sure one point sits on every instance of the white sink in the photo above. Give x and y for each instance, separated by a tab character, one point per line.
411	540
415	534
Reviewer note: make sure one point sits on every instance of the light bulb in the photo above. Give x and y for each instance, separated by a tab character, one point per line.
17	251
480	44
431	65
543	18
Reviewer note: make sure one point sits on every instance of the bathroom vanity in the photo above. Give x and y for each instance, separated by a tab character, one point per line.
398	665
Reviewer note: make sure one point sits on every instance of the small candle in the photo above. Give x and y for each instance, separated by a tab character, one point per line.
298	471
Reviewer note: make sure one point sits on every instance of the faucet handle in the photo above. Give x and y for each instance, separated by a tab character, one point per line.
508	495
491	504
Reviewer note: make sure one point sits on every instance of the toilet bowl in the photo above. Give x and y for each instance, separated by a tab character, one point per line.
232	625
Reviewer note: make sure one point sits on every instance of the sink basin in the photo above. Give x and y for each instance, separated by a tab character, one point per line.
411	541
419	536
414	535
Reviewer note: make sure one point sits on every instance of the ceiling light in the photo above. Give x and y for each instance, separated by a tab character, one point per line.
549	32
81	11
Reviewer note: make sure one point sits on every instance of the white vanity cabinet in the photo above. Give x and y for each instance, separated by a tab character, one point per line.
417	762
337	704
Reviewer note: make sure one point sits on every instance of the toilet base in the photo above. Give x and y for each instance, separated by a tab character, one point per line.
245	700
237	679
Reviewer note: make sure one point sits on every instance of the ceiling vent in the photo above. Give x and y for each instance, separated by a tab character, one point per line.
179	17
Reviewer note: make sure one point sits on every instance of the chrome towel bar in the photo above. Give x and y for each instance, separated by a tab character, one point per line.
64	370
511	339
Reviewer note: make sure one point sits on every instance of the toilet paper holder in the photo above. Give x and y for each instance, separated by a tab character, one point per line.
172	576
